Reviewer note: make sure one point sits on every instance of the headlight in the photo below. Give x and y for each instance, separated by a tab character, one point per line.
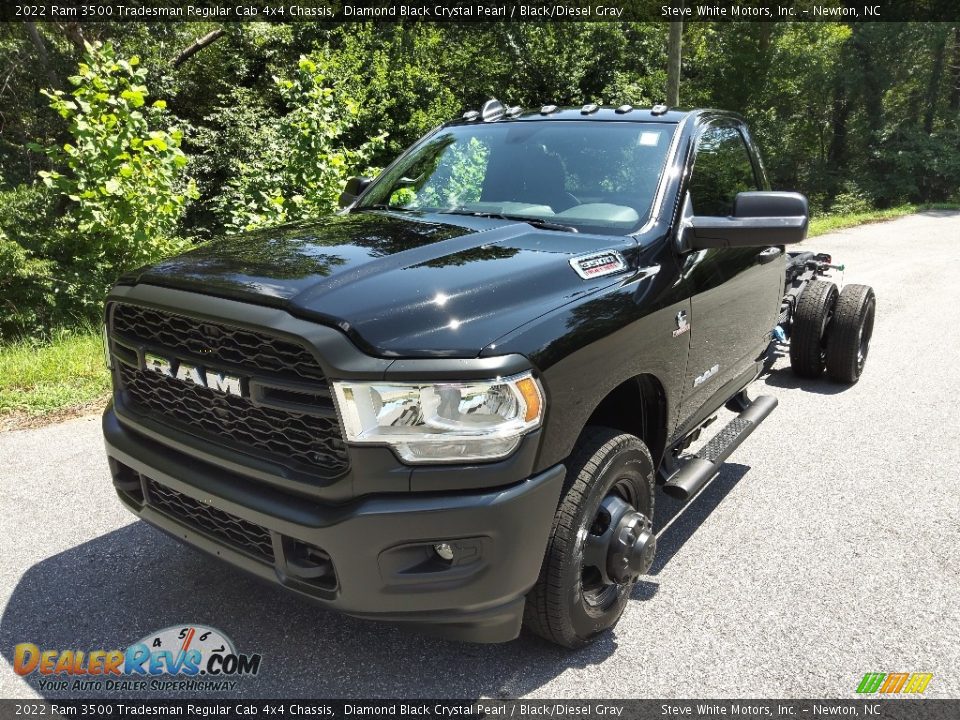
442	421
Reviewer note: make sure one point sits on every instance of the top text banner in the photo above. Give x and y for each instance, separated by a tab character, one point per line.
479	10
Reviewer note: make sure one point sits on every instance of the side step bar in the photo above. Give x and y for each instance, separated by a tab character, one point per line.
698	471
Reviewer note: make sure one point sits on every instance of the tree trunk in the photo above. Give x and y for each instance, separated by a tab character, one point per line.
38	43
871	88
197	45
674	53
75	35
936	78
839	112
837	151
954	101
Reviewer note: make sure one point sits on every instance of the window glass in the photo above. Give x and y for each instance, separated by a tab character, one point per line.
452	177
597	176
721	169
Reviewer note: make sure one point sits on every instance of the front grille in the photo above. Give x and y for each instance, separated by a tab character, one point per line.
289	438
240	534
221	343
305	442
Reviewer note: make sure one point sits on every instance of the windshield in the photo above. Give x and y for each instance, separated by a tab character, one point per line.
590	176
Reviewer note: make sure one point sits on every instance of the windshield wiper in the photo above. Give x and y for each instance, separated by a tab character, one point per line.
386	206
535	221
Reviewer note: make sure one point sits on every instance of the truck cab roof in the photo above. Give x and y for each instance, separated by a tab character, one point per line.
494	111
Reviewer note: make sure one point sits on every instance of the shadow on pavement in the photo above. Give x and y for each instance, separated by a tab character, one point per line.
112	591
682	520
675	522
784	378
939	213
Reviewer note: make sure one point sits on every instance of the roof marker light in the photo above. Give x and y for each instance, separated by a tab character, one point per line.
588	109
658	109
624	109
492	110
547	109
471	115
515	111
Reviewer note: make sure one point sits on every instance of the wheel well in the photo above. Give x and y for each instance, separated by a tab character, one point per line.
637	406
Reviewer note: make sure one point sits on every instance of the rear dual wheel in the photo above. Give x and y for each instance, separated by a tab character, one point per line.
808	334
601	541
850	332
832	330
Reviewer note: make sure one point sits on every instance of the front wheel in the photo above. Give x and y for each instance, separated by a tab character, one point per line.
601	542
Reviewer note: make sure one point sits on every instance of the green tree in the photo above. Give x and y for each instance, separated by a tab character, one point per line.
305	168
122	173
32	289
24	287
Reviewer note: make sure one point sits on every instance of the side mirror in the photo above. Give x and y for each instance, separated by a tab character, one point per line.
353	189
759	219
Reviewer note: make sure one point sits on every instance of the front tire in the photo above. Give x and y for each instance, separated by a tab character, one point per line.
601	540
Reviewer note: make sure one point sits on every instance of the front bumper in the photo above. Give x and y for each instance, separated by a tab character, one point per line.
371	557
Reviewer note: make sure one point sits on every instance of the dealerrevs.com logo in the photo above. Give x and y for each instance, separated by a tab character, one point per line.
181	657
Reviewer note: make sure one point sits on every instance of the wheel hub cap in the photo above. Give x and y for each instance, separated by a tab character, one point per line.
632	548
623	546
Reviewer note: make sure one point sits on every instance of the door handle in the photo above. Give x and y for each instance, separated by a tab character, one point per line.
771	253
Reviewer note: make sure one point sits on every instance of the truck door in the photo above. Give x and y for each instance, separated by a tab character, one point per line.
735	292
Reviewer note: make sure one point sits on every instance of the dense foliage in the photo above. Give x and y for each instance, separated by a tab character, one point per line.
123	142
302	172
120	173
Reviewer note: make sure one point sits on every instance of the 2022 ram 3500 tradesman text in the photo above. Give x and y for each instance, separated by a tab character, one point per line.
449	405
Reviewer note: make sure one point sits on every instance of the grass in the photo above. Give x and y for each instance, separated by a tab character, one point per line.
36	380
830	223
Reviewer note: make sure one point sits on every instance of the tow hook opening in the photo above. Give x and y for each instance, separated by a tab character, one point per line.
308	562
126	480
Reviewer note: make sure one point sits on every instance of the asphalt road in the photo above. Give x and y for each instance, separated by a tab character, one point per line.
828	547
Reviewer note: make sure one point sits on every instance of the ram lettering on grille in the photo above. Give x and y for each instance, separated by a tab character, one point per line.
210	399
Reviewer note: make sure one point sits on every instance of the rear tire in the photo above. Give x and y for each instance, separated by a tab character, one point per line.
808	334
573	599
848	341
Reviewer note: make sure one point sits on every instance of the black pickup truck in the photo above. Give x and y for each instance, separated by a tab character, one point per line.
450	405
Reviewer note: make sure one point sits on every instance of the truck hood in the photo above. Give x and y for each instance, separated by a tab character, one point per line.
398	285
